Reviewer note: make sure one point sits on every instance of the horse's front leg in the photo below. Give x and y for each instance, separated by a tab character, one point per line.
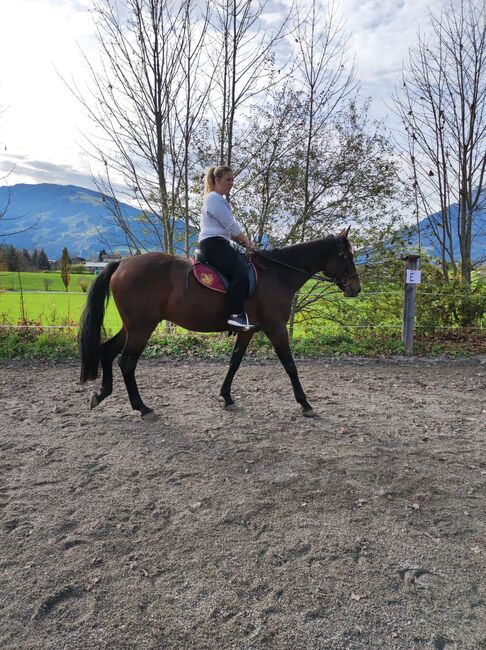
241	344
280	341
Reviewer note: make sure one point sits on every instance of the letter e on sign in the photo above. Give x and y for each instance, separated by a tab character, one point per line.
413	276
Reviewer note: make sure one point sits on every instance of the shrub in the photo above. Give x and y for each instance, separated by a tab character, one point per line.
84	285
79	268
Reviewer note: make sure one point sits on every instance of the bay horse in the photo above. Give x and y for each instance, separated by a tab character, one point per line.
153	287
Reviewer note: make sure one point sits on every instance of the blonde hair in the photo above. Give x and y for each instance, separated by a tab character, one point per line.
212	174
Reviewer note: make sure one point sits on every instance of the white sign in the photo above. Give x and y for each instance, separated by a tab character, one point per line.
413	276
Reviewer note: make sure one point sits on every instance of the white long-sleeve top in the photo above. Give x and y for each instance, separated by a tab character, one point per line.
217	220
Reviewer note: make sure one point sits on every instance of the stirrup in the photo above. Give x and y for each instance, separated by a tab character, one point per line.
240	321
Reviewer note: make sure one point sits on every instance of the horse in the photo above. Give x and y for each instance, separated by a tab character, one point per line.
153	287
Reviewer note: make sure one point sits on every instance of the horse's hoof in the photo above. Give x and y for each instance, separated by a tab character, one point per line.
150	416
309	413
227	401
94	401
230	407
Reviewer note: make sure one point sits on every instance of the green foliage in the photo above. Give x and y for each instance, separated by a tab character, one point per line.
440	304
43	261
450	304
80	269
38	344
328	326
15	259
352	172
65	267
220	346
84	285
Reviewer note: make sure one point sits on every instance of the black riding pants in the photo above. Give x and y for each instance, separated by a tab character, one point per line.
220	254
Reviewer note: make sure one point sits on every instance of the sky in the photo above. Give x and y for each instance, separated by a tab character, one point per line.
42	44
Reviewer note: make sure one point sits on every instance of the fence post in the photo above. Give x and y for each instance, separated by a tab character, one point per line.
411	280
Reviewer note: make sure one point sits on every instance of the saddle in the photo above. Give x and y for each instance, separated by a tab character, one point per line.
213	279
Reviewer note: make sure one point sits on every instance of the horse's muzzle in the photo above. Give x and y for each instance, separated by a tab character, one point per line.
352	290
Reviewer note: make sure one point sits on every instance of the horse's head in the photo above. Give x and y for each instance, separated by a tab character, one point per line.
341	266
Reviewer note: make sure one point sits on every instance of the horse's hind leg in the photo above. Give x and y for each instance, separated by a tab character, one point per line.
108	351
128	363
280	340
242	341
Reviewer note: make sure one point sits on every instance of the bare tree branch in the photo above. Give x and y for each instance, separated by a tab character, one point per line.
442	104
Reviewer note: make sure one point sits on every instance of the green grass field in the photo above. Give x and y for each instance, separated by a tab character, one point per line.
368	325
53	306
56	307
51	309
52	281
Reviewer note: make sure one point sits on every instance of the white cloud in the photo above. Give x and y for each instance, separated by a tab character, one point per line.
381	34
41	39
21	169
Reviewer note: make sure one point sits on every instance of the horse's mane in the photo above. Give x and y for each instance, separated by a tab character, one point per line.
293	252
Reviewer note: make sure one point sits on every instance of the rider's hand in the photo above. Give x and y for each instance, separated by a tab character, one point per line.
243	240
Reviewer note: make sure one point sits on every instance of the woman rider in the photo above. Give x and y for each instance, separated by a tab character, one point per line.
218	227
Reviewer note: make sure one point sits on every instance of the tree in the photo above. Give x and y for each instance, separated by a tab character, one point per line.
43	261
356	181
442	104
244	66
8	256
147	99
193	101
323	83
265	187
26	260
65	267
290	147
12	259
182	87
327	163
47	282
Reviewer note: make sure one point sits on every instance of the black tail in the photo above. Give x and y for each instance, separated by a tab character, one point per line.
92	321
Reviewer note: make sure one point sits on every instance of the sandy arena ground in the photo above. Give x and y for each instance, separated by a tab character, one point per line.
364	527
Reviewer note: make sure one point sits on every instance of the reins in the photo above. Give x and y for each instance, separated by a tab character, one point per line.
321	278
294	268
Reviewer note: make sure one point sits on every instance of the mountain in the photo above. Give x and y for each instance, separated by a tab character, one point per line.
80	219
430	244
66	215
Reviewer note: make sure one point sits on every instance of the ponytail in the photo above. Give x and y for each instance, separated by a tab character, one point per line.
212	174
209	181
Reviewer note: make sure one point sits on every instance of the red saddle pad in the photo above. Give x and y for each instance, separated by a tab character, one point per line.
212	279
208	277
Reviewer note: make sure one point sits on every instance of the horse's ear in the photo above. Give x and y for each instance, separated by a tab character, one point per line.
344	232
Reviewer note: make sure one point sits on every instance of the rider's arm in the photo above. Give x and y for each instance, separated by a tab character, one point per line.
242	239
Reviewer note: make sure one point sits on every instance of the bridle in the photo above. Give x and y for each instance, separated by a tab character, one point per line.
344	281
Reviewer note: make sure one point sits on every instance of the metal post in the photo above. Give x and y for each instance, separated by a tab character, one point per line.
410	292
